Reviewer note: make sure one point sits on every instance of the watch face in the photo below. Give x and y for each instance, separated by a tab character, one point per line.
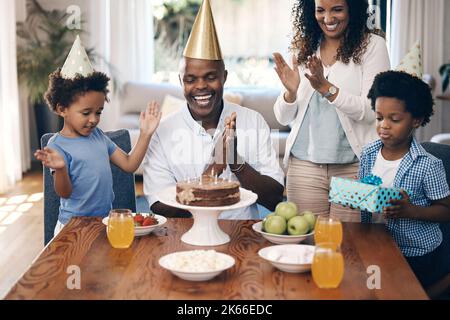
332	90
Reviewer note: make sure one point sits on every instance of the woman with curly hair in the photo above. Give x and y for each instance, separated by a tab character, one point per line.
79	155
336	57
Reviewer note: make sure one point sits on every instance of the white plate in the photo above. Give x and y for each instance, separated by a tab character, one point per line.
292	258
142	231
280	239
167	262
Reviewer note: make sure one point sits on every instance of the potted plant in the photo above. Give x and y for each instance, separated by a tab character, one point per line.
444	71
44	42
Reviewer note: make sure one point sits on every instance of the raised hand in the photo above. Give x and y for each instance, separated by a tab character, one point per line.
316	78
290	77
50	158
149	119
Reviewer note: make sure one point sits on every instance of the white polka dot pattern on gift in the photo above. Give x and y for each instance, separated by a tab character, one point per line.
355	194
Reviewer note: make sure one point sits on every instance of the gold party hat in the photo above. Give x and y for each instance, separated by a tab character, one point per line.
412	62
77	62
203	42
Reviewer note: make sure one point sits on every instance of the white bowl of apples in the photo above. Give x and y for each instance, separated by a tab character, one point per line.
286	225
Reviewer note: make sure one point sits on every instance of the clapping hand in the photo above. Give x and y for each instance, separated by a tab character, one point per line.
50	158
230	145
290	77
149	119
225	149
316	78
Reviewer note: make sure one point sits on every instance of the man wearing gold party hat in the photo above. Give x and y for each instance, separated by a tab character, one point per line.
402	103
79	155
203	132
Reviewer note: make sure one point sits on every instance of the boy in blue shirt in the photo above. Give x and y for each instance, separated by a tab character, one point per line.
79	155
403	103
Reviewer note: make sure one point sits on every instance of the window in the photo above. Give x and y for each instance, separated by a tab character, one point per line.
249	32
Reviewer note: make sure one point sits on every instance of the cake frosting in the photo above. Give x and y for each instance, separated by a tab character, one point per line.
208	192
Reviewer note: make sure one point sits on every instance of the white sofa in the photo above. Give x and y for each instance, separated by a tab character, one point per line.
135	96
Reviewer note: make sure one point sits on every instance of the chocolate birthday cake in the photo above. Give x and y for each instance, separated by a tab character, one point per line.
208	192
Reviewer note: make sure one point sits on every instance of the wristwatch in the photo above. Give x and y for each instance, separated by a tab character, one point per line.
331	91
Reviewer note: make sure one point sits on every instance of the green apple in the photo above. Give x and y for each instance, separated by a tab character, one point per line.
265	219
275	224
287	210
310	217
297	225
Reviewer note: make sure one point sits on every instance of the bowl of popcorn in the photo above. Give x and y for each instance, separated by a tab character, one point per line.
293	258
196	265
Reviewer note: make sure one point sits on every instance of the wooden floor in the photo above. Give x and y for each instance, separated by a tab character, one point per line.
22	227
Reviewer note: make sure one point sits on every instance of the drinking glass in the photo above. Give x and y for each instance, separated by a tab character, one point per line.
328	229
120	230
328	265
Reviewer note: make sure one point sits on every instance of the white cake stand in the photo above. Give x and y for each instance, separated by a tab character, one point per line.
206	231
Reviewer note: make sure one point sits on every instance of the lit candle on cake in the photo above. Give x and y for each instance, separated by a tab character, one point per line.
201	179
215	178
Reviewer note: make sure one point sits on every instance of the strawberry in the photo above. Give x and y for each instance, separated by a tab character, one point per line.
149	221
139	219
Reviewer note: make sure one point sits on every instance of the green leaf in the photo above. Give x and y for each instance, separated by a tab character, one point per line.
445	81
444	68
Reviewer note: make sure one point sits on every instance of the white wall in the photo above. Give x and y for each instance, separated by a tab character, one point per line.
253	27
64	4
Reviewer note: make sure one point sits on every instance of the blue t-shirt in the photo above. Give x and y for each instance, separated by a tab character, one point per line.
87	162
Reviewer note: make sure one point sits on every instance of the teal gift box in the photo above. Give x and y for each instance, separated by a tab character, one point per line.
356	194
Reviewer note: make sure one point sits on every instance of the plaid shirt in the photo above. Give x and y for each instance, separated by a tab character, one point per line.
423	176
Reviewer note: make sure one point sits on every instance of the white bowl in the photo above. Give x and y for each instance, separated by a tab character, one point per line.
293	258
143	231
280	238
168	262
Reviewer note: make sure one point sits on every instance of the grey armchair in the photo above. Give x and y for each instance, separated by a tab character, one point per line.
441	151
123	185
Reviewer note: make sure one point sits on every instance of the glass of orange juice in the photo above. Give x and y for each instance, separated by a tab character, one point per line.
120	230
327	266
328	229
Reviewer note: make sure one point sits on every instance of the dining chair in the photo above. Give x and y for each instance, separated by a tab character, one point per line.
123	184
441	151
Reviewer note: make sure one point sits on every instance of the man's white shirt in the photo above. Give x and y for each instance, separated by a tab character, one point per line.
181	149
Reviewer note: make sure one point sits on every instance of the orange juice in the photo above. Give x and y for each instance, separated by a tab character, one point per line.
327	267
120	231
328	230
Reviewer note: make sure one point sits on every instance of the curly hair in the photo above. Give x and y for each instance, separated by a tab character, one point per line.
64	92
415	93
307	32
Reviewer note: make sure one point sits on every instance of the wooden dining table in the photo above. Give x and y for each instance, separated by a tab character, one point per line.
134	273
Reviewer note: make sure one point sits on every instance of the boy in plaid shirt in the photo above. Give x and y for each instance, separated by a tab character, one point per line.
403	103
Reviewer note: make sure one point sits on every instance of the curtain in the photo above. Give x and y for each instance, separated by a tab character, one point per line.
122	33
10	133
421	20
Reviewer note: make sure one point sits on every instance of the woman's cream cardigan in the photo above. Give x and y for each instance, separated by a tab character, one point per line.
352	105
